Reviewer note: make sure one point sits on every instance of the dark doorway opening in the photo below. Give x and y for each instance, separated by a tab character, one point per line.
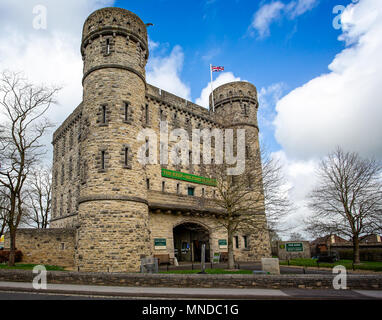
188	241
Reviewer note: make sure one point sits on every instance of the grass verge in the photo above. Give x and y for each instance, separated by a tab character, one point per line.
30	267
348	264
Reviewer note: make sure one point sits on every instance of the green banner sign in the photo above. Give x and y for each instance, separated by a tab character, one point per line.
160	242
188	177
293	247
223	242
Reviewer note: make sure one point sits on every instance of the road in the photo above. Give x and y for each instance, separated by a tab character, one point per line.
18	290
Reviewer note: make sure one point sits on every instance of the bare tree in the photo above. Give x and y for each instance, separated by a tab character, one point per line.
347	200
295	236
39	198
23	105
3	214
247	201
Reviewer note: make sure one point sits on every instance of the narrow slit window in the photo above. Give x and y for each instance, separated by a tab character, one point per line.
103	114
107	46
178	188
103	160
126	112
245	238
147	148
126	157
163	186
148	184
147	113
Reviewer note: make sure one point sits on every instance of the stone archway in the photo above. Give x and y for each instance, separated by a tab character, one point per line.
188	240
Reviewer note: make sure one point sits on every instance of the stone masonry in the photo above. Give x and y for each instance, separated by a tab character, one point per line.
118	206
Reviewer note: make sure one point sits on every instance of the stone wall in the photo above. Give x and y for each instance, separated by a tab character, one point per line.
313	281
46	246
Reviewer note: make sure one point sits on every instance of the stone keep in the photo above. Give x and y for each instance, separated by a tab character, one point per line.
117	206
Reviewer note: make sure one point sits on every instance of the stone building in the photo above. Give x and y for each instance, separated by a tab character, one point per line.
120	209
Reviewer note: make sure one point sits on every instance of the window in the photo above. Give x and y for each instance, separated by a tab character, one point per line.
245	238
191	191
236	242
203	192
62	246
177	188
126	160
107	46
163	186
148	184
103	160
104	114
147	148
147	114
126	112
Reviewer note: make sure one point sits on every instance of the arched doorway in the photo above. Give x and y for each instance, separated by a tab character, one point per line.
188	240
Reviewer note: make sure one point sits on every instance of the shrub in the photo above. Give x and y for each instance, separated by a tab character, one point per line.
4	256
364	254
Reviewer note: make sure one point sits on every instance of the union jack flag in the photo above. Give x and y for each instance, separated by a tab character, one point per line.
217	69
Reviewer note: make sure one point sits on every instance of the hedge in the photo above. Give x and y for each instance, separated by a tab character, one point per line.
4	256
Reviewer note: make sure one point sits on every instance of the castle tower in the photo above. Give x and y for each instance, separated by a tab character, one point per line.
236	106
113	232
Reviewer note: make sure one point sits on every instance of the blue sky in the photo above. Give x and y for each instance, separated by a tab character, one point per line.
218	32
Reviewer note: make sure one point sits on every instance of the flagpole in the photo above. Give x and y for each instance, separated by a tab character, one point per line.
212	91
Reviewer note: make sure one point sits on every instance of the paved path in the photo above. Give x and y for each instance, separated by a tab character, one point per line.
189	293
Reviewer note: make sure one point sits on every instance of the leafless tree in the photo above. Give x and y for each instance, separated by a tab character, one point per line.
295	236
347	200
3	214
247	201
23	106
39	198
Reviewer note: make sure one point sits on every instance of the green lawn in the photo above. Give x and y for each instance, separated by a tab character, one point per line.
30	267
348	264
209	271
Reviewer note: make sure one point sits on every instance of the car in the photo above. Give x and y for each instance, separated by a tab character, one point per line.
328	257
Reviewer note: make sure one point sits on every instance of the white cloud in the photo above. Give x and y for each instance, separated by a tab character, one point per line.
342	107
301	178
164	72
50	56
223	78
265	16
273	11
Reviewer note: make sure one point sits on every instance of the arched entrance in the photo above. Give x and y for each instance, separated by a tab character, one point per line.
188	240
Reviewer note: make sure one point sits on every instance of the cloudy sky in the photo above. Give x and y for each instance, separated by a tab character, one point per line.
318	75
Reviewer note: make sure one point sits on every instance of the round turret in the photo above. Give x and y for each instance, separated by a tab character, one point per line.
114	30
236	103
113	201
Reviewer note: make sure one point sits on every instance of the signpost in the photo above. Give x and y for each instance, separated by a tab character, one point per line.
203	262
294	247
223	244
160	244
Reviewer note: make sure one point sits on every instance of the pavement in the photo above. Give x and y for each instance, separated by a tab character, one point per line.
10	290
